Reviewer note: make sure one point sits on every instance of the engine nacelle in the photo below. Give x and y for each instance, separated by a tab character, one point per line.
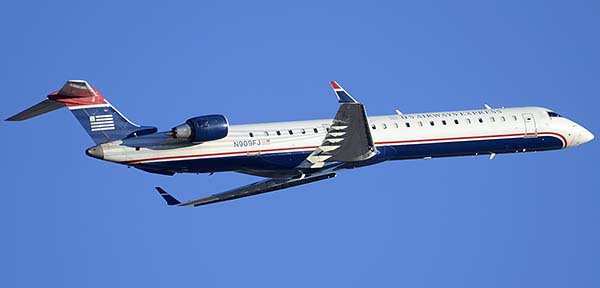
202	129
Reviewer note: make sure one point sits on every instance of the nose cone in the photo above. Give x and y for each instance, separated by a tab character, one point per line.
96	152
585	136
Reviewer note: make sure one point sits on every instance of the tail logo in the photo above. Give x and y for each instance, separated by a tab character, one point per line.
102	122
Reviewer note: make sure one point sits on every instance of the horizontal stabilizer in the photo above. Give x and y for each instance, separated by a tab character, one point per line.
37	109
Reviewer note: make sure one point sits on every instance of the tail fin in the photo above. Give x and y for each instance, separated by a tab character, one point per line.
97	116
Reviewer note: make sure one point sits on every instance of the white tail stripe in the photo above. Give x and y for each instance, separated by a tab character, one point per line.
102	121
103	128
88	106
102	125
103	116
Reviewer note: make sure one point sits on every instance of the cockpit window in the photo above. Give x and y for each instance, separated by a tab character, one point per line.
553	114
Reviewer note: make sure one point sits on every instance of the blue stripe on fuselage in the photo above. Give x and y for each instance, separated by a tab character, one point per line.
289	160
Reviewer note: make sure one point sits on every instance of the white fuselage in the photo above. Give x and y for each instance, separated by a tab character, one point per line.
286	139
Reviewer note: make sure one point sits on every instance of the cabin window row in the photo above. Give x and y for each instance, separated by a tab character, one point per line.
445	122
285	132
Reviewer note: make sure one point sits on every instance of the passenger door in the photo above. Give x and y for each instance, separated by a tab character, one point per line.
530	127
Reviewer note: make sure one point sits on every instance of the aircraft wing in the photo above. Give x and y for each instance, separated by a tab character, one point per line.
349	137
256	188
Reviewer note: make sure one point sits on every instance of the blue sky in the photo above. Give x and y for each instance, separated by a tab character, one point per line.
527	220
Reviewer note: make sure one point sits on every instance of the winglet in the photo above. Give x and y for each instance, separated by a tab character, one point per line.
342	95
170	199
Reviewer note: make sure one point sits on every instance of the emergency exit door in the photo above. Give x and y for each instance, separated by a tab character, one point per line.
530	127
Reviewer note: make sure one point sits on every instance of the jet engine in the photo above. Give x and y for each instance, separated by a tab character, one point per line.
202	129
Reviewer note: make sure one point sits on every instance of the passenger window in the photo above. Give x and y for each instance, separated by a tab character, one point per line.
407	125
266	133
251	134
456	121
373	127
384	126
395	125
514	117
316	130
480	120
468	120
290	131
420	124
503	118
302	131
492	119
431	123
444	122
278	132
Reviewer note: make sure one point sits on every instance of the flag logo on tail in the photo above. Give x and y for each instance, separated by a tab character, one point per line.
102	122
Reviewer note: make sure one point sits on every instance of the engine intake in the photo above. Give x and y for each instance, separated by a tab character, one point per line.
202	129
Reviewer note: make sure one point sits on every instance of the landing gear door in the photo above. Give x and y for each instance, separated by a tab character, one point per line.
530	127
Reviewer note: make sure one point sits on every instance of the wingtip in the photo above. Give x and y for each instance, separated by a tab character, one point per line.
168	198
342	95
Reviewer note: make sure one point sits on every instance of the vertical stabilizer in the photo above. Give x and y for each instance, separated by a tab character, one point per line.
96	115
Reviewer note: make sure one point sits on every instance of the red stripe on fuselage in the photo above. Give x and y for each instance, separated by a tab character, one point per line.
315	147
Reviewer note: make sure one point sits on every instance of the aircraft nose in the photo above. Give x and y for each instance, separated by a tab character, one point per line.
96	152
585	136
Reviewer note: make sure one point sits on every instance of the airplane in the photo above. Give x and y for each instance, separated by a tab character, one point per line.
295	153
